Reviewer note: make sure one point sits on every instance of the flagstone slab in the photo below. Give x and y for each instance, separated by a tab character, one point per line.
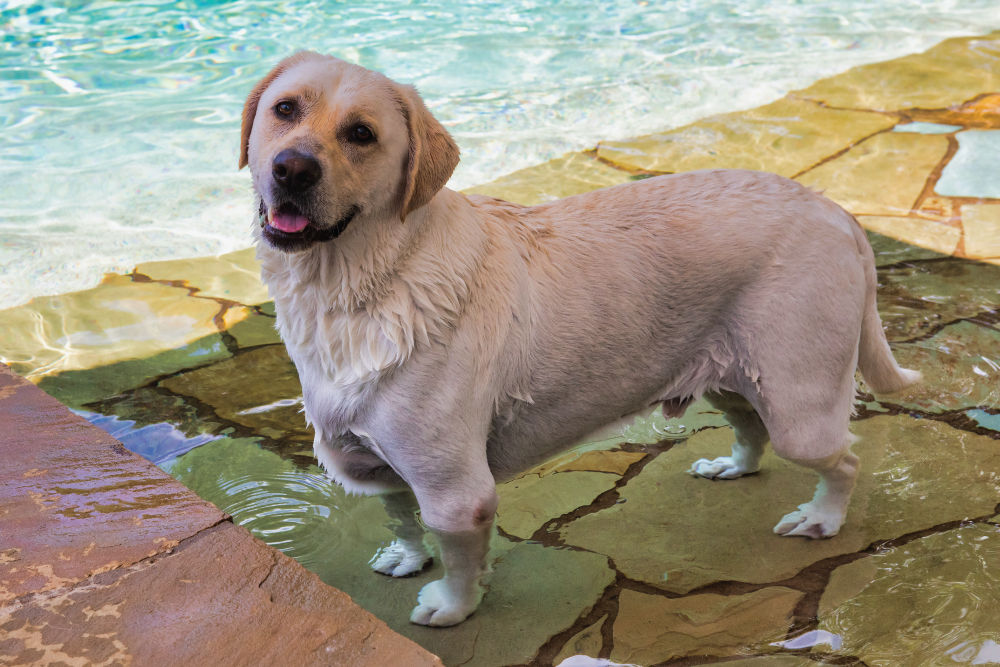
571	174
258	388
530	501
74	502
786	137
890	251
234	276
587	642
983	112
651	629
981	223
931	601
678	532
930	234
117	321
948	74
961	368
251	328
972	171
917	298
883	175
219	598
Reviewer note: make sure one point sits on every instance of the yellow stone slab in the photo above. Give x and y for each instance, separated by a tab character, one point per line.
119	320
651	629
935	236
785	137
883	175
234	276
571	174
981	223
950	73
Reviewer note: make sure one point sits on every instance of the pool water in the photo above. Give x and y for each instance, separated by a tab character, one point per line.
119	120
611	550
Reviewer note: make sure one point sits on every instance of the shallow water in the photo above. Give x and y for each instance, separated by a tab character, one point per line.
119	121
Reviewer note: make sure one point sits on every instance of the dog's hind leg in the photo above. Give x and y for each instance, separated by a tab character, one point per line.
808	423
406	555
751	438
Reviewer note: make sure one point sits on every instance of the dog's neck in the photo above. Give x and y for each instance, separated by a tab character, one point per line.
361	303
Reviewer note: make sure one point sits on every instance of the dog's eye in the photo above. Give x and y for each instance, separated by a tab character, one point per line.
285	109
361	134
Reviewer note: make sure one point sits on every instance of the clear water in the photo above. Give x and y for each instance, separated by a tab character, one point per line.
119	120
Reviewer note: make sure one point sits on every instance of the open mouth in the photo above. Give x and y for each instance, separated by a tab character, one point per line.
288	228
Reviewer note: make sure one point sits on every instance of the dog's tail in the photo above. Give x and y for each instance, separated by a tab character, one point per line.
875	359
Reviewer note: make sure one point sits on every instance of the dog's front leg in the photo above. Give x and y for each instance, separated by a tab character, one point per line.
406	556
460	515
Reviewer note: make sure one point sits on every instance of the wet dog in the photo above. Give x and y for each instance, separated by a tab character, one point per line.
445	342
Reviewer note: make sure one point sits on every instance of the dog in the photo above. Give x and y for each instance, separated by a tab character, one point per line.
447	342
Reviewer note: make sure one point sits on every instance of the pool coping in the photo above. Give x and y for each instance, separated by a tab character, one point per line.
103	556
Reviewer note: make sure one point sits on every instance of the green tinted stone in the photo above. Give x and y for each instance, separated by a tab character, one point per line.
931	601
696	531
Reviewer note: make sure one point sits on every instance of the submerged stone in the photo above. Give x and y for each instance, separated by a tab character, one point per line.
530	501
148	327
917	298
930	601
678	532
883	175
233	277
588	642
651	629
258	389
948	74
961	368
571	174
786	137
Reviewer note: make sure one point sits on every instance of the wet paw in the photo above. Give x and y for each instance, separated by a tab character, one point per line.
724	467
810	521
438	606
401	559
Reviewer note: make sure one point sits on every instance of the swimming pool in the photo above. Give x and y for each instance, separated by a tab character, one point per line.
119	119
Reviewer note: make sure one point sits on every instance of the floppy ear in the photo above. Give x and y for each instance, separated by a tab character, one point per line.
250	107
433	153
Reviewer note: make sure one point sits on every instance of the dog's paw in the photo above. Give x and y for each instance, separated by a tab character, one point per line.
401	559
724	467
439	606
810	521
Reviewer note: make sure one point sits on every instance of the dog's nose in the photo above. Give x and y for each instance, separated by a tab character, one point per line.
295	171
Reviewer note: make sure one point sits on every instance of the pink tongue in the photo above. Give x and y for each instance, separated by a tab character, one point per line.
289	223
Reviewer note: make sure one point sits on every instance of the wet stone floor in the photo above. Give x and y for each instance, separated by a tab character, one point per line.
612	550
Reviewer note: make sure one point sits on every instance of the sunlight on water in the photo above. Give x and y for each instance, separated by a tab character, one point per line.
120	120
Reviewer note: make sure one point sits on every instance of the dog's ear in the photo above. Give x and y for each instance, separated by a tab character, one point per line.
250	106
433	153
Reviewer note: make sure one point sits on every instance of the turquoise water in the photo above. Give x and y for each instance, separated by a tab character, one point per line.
119	120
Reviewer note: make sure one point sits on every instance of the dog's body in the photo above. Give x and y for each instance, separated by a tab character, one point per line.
443	352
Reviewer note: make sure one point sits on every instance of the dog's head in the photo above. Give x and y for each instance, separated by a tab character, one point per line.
329	142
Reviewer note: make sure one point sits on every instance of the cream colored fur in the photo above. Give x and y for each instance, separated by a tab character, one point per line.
445	342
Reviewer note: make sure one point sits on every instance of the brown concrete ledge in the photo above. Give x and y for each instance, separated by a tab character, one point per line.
105	559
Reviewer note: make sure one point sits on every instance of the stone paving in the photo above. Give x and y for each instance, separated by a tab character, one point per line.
612	550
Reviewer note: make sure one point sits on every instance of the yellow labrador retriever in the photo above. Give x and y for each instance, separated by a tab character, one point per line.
445	342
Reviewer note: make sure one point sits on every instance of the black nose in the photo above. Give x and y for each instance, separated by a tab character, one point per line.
295	171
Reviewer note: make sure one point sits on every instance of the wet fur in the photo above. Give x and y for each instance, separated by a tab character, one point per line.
445	342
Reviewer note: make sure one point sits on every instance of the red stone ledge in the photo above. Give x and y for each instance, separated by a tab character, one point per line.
104	558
